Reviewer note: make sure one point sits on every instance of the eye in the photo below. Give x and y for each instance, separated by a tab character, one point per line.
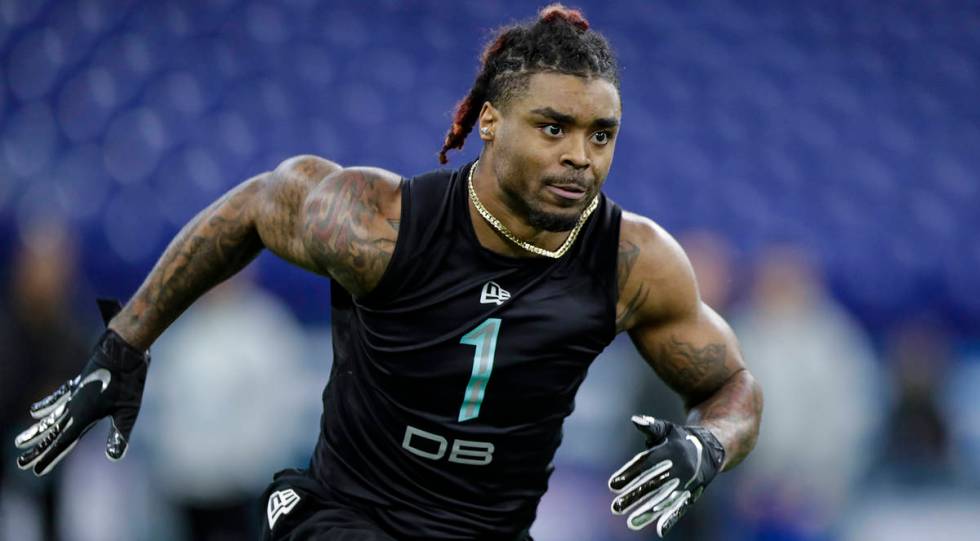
601	137
553	130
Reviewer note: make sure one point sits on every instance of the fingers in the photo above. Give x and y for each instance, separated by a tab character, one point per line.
651	480
671	504
56	440
53	443
42	428
638	466
652	503
83	412
60	446
42	408
116	444
655	429
672	514
637	471
622	477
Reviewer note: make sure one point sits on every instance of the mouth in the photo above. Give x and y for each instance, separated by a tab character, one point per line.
571	192
567	192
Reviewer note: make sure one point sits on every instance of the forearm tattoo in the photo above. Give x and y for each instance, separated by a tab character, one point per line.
216	244
346	231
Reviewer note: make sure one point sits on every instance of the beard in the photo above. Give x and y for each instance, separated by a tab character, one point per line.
540	218
555	222
521	198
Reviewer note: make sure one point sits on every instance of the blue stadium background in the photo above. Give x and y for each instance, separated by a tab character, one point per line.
850	129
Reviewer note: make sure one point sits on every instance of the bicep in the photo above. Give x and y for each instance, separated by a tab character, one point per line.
695	355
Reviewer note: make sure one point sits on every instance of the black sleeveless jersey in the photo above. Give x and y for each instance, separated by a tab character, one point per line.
452	378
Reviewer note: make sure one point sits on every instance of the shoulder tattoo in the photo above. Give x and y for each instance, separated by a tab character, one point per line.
347	231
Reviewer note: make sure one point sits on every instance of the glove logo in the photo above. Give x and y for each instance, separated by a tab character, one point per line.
101	374
281	503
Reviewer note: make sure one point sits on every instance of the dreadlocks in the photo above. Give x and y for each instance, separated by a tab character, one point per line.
558	41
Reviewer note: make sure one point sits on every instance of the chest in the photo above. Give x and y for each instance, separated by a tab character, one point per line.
487	340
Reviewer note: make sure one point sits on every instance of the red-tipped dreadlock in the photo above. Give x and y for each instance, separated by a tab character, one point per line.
554	12
558	41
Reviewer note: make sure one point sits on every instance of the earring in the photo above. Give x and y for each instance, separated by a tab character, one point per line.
485	130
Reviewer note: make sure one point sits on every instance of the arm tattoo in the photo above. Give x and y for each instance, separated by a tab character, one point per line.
216	244
346	232
629	302
689	368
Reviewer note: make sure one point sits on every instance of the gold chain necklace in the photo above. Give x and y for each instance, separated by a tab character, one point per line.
522	243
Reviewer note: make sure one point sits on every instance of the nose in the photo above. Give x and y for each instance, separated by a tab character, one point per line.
576	153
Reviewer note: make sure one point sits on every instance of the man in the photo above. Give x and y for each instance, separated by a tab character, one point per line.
467	306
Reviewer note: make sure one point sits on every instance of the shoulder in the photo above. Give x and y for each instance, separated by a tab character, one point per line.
655	277
307	166
326	184
365	188
333	178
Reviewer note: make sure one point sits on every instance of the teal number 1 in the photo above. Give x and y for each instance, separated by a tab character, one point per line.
484	337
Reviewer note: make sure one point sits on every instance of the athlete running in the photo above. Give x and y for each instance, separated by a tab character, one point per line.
467	307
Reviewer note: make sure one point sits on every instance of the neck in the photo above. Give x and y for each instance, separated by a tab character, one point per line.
492	197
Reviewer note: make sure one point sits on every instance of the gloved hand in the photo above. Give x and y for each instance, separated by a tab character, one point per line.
110	384
660	483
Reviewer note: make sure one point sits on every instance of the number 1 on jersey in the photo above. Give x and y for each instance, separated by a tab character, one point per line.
484	337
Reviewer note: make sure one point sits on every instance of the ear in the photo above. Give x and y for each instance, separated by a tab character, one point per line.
489	115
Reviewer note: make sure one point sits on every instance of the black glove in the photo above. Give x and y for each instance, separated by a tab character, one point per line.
660	483
110	384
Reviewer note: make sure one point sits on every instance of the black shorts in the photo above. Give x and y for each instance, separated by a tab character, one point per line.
297	507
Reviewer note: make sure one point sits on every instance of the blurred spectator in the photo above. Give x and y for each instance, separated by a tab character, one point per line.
924	487
43	344
916	446
962	412
822	394
226	405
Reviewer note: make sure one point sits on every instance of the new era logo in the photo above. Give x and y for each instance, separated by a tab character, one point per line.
281	503
493	294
